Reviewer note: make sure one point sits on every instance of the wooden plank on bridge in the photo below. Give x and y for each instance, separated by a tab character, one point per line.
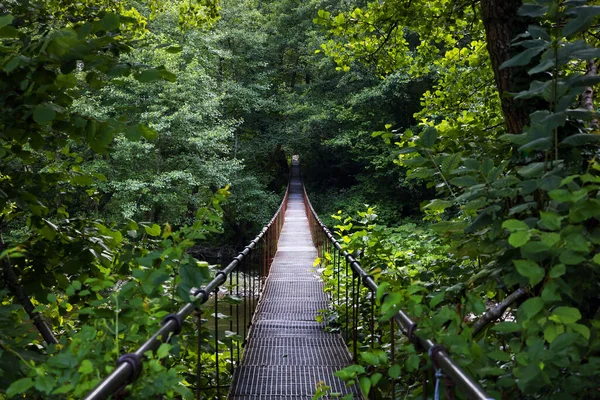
288	353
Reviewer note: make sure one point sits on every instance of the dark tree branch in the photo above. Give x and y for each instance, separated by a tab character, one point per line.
17	290
496	312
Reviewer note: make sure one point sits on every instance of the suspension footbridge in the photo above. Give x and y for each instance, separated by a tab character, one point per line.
282	351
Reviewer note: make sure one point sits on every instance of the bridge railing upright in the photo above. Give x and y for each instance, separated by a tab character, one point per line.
244	277
349	276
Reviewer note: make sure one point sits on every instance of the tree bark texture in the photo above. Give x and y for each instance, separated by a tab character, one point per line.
587	97
502	24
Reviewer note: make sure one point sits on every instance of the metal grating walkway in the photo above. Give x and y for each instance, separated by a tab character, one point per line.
287	351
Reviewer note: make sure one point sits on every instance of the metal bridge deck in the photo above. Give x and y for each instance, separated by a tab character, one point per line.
287	352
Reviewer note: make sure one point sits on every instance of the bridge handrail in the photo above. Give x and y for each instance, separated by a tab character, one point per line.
407	326
129	365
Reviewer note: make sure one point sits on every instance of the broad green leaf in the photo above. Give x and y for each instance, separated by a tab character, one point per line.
463	181
525	56
428	137
561	195
110	22
507	327
582	330
581	139
515	225
191	276
365	384
541	67
149	75
499	355
532	170
584	18
375	378
19	386
86	367
437	299
519	238
530	270
552	331
557	271
569	257
450	163
533	10
6	20
163	350
64	389
565	315
153	230
43	114
147	132
394	371
369	358
174	49
550	220
531	307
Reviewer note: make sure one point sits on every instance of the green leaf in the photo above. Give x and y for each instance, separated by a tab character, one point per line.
6	20
582	330
499	355
64	389
149	75
463	181
581	139
51	298
192	276
86	367
110	22
565	315
561	195
450	163
541	67
437	299
369	358
43	114
584	18
514	225
507	327
365	385
19	386
153	230
428	137
525	56
557	271
532	170
163	350
550	220
519	238
533	10
147	132
531	270
570	257
394	371
174	49
552	331
532	306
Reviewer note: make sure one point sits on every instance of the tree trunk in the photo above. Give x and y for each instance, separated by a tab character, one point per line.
587	97
502	24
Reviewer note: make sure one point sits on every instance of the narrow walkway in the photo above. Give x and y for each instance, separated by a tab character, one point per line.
288	352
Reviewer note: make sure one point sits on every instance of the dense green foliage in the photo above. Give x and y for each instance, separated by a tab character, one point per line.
137	135
518	211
